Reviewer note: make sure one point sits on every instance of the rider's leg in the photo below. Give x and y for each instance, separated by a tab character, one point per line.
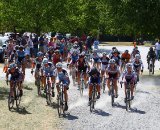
115	88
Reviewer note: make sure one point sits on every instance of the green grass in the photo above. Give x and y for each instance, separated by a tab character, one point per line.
123	44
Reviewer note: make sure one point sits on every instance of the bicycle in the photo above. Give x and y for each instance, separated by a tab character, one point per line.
60	100
103	84
73	73
151	66
16	97
38	82
48	90
93	98
82	83
128	95
112	90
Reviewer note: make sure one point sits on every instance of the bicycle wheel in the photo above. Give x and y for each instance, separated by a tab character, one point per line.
17	97
38	87
48	95
81	87
59	105
10	102
92	102
128	105
112	96
104	85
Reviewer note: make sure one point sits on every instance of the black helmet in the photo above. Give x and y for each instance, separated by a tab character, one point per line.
151	48
21	47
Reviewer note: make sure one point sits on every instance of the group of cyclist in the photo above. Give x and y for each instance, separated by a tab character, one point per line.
112	66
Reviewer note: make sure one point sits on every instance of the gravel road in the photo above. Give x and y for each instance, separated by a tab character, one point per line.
35	115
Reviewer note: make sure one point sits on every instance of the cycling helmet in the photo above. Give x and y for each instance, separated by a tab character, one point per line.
21	47
151	48
59	65
136	48
39	54
56	51
137	56
113	48
16	47
94	70
115	51
12	65
104	54
45	61
112	61
81	55
75	46
129	65
126	51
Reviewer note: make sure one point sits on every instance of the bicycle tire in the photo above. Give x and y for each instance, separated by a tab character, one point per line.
92	102
112	95
48	96
38	87
128	101
17	97
59	105
10	102
81	88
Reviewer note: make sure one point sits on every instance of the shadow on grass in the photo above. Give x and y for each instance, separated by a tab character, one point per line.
101	112
21	110
27	87
4	93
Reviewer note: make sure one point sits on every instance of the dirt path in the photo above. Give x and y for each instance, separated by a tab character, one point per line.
34	114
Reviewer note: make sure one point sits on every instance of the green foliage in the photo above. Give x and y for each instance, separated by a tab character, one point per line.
131	17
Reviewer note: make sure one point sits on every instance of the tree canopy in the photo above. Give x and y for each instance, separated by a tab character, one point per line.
128	17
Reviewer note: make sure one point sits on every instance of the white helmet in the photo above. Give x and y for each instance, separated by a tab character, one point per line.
112	61
104	53
59	65
137	56
45	61
129	65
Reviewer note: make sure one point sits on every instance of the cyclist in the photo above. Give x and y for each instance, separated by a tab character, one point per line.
116	57
96	59
37	65
94	75
15	75
129	76
113	72
104	63
56	57
151	55
74	58
137	65
50	53
20	58
134	52
125	58
48	68
82	66
112	51
62	76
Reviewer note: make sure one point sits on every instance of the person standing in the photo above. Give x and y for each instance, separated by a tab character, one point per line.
157	48
35	45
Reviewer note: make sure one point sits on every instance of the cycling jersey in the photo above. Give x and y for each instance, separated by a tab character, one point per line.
49	69
16	75
74	58
82	66
137	65
21	55
94	76
129	77
38	63
113	73
95	58
125	56
117	59
62	76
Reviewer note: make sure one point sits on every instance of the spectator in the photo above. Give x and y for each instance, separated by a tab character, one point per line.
157	48
41	43
35	45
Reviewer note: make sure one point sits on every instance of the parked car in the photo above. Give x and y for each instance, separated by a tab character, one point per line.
3	45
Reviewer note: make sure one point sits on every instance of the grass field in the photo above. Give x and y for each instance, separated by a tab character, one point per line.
122	44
